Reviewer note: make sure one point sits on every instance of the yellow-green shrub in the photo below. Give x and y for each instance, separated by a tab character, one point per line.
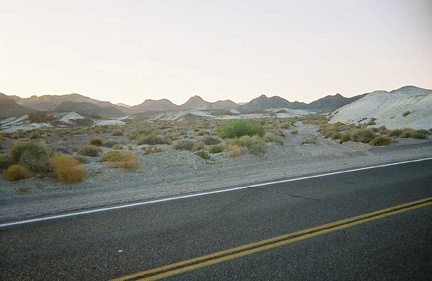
16	172
122	159
67	169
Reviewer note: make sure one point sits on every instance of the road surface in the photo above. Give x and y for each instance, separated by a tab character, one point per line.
349	226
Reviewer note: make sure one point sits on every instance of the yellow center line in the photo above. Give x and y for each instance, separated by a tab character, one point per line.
267	244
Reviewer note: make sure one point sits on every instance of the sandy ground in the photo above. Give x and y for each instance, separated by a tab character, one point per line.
172	173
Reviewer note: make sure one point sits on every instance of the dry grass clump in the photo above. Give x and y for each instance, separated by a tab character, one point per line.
273	137
117	133
210	140
362	135
32	155
216	148
151	149
235	150
381	140
67	169
253	145
89	150
411	133
183	144
110	143
16	172
96	141
153	140
122	159
310	139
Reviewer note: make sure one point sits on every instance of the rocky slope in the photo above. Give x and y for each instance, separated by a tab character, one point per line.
408	106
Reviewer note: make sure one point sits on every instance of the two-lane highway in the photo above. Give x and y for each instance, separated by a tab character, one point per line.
365	224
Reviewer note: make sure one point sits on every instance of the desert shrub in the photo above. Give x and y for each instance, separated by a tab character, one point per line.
406	113
122	159
32	155
203	154
152	140
117	133
254	145
67	169
96	141
117	146
239	128
310	139
235	150
210	140
295	132
381	140
424	132
198	146
5	161
362	135
395	133
273	137
110	143
133	135
183	144
151	149
336	135
411	133
344	137
16	172
216	148
89	150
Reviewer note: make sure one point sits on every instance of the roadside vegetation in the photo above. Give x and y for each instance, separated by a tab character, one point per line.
62	153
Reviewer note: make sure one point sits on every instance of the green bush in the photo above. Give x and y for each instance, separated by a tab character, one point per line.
89	150
295	132
32	155
395	133
381	140
183	144
203	154
239	128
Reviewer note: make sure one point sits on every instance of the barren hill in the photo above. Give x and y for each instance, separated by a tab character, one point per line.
406	107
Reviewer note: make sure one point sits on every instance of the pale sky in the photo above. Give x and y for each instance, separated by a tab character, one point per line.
129	51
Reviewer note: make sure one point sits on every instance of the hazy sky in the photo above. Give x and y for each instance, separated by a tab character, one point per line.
129	51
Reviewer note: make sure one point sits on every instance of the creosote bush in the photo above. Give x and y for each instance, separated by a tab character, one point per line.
122	159
153	140
89	150
239	128
32	155
203	154
67	169
16	172
183	144
362	135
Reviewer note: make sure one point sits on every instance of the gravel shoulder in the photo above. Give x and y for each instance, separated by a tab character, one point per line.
172	173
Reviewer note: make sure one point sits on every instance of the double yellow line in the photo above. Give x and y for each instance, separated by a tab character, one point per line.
256	247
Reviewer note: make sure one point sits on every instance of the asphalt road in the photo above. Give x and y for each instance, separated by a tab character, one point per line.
110	244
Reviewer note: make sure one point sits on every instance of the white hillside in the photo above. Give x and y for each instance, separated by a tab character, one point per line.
408	107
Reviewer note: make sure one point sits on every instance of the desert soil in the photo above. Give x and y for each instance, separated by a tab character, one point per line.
170	173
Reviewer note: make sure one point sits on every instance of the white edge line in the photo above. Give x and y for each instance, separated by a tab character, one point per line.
205	193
